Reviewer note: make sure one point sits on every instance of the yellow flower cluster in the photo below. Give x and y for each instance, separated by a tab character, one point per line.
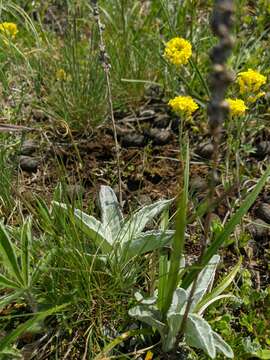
178	51
61	75
9	29
250	81
237	106
183	105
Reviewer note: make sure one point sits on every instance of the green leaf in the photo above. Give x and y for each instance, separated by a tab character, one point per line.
175	317
162	278
7	299
42	266
135	225
9	255
26	240
91	227
111	215
219	297
10	353
221	346
198	333
228	229
263	354
149	316
178	241
222	286
204	282
146	242
5	282
7	340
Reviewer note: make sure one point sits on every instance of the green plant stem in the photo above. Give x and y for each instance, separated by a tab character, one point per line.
202	80
178	241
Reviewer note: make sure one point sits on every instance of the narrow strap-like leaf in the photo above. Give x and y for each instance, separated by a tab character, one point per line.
228	229
8	253
26	240
178	240
7	340
222	286
7	283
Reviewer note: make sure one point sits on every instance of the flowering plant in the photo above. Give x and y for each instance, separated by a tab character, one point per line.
9	29
178	51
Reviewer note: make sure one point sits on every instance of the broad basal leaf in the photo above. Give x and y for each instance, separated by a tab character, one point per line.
149	316
198	333
205	280
175	317
135	225
91	227
222	347
146	242
111	215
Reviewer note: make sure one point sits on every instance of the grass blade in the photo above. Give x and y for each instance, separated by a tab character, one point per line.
9	255
26	239
178	241
7	283
228	229
7	340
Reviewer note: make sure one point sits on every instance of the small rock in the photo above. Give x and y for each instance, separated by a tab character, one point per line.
259	229
75	191
205	150
133	184
28	147
154	92
159	136
198	184
39	115
263	212
144	199
28	164
130	140
263	149
161	120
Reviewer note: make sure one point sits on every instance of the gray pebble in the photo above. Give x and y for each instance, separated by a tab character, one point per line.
28	147
259	229
28	164
205	150
263	212
159	136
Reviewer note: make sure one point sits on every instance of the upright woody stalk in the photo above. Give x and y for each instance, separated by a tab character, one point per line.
220	79
105	61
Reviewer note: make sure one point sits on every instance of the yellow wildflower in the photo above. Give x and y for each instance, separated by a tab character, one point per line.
149	355
9	29
61	75
183	105
237	106
178	51
250	81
